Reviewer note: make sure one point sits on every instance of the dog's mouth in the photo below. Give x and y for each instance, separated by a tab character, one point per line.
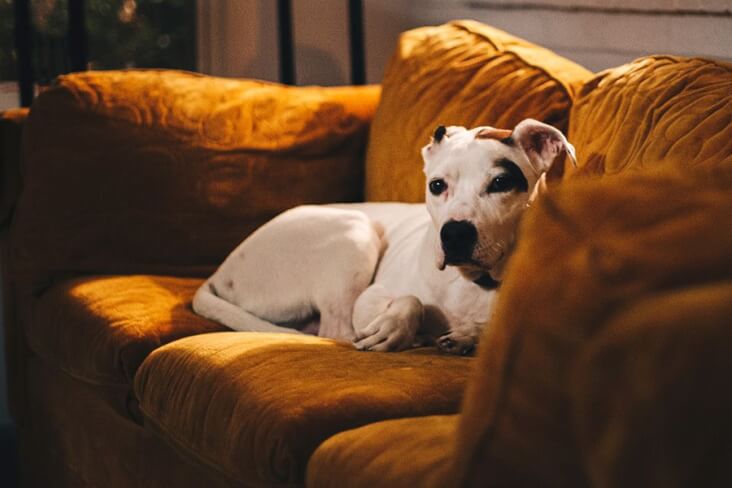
473	263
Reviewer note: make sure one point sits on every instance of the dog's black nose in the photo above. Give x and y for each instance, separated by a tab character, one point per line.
458	240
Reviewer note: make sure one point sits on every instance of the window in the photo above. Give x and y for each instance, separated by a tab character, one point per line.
119	34
141	34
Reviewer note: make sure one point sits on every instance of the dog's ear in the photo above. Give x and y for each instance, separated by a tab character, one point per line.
440	132
545	146
438	137
493	133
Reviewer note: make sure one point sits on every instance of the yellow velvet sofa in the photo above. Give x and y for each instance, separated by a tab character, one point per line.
609	359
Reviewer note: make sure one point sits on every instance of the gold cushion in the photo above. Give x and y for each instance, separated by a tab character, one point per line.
101	328
656	111
596	257
150	171
256	405
390	454
658	375
462	73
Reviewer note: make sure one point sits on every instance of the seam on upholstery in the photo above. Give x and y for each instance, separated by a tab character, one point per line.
458	25
76	376
680	59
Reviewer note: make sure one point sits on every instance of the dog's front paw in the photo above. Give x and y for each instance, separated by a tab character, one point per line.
456	343
385	334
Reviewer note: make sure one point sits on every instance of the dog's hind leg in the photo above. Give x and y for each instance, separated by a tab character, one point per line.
337	304
211	306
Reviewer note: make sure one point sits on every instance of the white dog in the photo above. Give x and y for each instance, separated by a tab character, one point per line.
389	275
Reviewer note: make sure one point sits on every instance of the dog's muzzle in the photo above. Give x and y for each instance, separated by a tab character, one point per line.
458	241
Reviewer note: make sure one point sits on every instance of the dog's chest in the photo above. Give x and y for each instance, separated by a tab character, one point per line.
469	307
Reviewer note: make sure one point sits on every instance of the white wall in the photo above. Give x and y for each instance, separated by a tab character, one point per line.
600	37
596	33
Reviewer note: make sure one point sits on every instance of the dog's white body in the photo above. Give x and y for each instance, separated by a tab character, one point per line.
385	275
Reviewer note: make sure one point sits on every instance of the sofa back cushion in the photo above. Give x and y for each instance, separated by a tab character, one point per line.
657	110
462	73
606	362
166	172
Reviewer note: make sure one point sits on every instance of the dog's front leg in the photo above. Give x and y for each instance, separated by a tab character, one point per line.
384	322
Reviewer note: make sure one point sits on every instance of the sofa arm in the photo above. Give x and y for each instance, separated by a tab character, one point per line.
165	172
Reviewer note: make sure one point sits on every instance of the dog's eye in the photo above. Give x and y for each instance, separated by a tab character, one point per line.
437	186
501	184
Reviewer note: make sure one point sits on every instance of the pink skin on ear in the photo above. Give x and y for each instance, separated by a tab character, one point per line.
542	143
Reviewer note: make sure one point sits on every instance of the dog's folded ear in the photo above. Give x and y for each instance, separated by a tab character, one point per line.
545	147
493	133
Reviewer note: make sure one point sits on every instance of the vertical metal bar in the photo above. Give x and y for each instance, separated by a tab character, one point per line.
78	40
286	42
358	54
24	50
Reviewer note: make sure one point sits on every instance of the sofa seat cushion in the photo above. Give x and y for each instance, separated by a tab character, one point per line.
414	451
100	328
461	73
256	405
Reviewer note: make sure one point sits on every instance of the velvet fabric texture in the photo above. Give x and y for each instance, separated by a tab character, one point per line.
414	451
255	406
580	370
656	111
149	171
607	361
172	170
101	328
78	439
462	73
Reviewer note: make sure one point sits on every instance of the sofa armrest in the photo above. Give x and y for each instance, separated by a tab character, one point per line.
165	172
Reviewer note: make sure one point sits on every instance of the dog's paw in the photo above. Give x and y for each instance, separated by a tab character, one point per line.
456	343
386	333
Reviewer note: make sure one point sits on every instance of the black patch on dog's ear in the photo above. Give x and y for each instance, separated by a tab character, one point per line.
512	168
508	141
439	133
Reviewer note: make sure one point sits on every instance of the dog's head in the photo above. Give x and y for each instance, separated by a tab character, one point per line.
479	182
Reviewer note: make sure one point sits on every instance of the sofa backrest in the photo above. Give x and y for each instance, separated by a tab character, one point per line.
461	73
655	111
166	172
